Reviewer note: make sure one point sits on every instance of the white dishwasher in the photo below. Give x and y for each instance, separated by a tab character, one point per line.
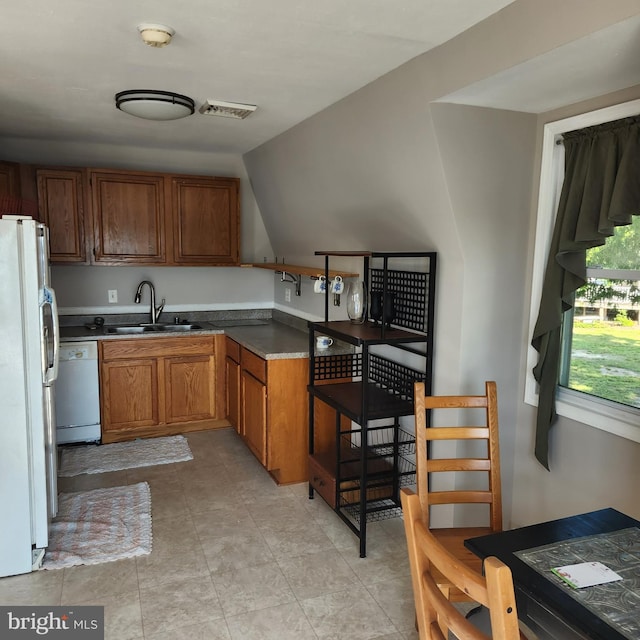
77	397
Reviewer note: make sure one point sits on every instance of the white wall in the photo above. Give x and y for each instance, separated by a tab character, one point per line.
86	287
387	169
487	158
470	204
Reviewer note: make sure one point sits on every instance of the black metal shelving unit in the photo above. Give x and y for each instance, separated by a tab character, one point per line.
368	378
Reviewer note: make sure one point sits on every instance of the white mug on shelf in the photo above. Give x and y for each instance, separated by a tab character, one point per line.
323	342
337	285
320	285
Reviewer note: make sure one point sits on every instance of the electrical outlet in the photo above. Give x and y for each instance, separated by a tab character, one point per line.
113	296
287	294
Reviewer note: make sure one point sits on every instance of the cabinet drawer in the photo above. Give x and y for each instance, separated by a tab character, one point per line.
233	349
157	347
255	365
322	481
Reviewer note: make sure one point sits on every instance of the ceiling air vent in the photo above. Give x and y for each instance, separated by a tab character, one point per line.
227	109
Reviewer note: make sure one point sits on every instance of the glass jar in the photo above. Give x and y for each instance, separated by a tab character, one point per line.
357	302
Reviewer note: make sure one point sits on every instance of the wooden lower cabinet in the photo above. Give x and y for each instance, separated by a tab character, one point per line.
254	415
232	379
273	410
130	395
160	386
190	388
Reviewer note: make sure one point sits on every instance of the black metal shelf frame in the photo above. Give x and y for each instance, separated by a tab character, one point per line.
372	461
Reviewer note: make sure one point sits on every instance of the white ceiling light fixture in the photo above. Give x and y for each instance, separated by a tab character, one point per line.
227	109
155	35
154	105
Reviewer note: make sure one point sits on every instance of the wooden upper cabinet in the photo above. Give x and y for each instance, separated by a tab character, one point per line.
205	213
116	216
128	217
18	190
62	208
9	179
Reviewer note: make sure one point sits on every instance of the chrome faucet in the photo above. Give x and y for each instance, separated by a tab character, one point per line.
154	311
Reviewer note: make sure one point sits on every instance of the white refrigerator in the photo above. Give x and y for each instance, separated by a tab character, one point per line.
29	345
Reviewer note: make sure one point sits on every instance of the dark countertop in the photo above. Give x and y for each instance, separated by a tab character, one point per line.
272	340
83	333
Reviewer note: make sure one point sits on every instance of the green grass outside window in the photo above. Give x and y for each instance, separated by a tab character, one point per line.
605	362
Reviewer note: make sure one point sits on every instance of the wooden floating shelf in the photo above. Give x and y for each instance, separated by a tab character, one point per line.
312	272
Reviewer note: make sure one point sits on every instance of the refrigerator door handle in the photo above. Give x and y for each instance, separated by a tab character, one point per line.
51	372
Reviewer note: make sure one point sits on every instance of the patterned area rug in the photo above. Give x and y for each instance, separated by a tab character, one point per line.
98	526
123	455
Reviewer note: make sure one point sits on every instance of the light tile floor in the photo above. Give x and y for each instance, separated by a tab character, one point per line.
235	557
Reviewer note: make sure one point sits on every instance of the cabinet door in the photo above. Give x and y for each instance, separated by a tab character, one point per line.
190	388
129	395
205	220
128	211
61	204
254	415
232	384
287	419
9	179
232	379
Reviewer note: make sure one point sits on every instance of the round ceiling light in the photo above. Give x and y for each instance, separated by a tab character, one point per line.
154	105
156	35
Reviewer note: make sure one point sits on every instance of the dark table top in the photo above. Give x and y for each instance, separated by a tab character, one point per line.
506	544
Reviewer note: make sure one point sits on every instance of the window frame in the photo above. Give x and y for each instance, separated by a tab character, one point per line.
593	411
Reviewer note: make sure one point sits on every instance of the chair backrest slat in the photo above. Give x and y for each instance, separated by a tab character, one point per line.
427	465
460	464
458	433
455	402
460	497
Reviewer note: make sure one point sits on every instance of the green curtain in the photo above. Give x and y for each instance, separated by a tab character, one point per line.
601	190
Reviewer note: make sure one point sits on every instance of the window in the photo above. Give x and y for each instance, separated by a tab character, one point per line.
601	334
600	368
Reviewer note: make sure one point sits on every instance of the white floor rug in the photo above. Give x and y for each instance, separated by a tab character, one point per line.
98	526
123	455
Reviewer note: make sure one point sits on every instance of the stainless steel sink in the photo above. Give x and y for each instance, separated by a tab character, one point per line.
178	327
135	329
149	328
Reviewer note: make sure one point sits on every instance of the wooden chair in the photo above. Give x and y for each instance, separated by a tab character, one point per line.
436	615
488	464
